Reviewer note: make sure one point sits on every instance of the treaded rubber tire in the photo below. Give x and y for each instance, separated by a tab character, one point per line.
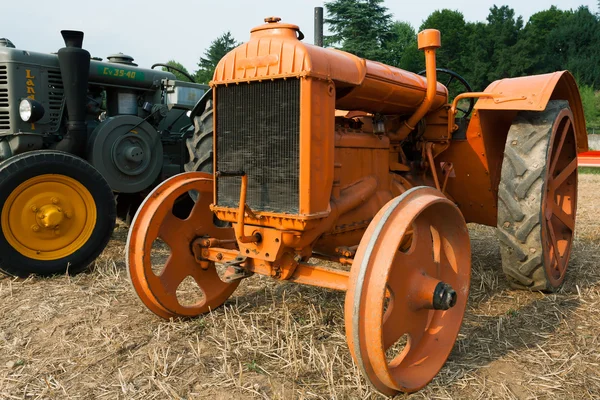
17	170
200	148
200	145
521	196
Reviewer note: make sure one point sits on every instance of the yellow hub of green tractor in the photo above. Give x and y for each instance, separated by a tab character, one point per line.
48	217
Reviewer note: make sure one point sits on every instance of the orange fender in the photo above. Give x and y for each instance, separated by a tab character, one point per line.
532	93
477	161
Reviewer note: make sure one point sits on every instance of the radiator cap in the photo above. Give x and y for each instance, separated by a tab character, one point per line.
121	58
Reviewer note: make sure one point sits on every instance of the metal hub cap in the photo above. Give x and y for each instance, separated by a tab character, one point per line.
128	154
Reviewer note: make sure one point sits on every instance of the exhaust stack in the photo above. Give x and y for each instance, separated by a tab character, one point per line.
74	69
319	26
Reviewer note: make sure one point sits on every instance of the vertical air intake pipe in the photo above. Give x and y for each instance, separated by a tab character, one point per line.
74	69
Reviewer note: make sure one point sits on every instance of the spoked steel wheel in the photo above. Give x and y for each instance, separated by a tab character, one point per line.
155	220
408	291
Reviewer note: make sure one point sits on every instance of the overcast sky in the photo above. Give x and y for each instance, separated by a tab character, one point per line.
154	31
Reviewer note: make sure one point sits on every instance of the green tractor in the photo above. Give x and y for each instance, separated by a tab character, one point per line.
81	142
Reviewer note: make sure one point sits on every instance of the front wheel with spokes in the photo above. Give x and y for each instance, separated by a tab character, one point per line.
408	290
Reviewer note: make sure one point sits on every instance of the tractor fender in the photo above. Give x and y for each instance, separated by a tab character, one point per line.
532	93
201	104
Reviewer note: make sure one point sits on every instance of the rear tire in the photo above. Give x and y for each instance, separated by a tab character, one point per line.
57	214
200	148
200	145
537	198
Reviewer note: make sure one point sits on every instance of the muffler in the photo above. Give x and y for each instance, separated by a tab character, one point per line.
74	64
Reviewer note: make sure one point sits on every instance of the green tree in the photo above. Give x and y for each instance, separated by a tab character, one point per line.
402	47
543	53
217	50
177	74
360	27
576	42
508	56
453	29
591	106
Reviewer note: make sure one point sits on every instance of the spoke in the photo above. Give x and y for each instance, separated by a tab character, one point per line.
450	80
400	319
170	229
421	252
554	244
563	217
209	281
564	174
563	135
418	327
173	273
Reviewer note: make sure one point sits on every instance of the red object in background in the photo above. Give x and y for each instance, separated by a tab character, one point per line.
589	159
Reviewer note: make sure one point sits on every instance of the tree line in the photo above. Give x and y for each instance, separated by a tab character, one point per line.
504	45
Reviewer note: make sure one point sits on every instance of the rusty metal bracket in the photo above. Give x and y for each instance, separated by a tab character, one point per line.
235	271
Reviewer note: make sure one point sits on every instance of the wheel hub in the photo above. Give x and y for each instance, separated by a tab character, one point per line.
50	216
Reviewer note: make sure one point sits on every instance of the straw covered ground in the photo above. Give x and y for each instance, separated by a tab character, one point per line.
88	336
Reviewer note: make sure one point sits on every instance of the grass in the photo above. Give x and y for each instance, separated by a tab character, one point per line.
88	336
589	170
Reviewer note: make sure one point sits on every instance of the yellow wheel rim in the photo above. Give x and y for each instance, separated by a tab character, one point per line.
48	217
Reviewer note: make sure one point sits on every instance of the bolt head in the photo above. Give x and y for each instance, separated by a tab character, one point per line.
68	214
35	228
54	200
34	208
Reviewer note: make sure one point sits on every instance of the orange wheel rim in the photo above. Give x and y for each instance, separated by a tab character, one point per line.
155	220
560	198
407	280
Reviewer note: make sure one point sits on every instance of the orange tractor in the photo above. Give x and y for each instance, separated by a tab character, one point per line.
319	154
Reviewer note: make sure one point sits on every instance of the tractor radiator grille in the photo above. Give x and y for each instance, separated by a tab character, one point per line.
4	105
55	99
258	132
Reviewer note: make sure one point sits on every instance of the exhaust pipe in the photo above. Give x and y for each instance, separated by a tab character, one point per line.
319	26
74	69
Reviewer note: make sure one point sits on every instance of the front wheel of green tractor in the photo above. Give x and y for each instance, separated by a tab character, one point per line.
537	198
57	214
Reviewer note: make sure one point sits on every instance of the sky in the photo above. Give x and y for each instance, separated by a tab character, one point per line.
155	31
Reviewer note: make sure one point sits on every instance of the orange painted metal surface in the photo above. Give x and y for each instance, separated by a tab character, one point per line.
589	159
439	252
533	93
370	137
559	204
155	220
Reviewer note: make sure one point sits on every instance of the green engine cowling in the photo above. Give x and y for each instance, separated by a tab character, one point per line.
135	117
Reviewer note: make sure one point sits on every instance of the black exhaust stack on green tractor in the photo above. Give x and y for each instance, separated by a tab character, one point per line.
74	64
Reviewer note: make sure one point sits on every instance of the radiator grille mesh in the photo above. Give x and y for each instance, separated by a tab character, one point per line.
4	104
258	132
